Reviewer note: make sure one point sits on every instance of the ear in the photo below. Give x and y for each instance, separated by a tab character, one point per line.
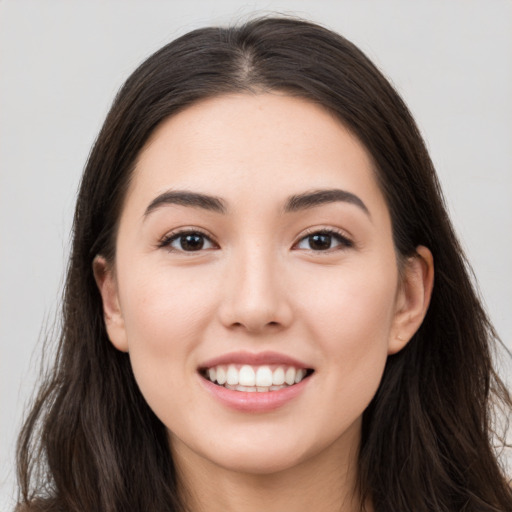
104	275
413	298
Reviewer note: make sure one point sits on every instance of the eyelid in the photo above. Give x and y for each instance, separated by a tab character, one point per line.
170	236
344	239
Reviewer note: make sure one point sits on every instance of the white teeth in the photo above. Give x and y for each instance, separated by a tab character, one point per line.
247	376
221	375
278	377
247	389
255	379
253	389
232	376
289	378
264	376
298	376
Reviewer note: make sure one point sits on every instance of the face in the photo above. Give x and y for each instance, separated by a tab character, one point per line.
255	285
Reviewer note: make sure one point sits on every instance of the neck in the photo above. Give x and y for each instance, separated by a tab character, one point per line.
325	482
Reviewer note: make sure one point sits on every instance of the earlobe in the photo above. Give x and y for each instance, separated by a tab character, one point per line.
413	298
106	281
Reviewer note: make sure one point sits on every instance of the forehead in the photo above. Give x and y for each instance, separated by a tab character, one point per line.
268	145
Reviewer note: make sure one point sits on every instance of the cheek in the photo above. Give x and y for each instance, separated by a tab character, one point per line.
351	302
350	316
164	308
165	318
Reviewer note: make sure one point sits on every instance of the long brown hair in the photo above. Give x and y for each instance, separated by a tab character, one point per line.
91	443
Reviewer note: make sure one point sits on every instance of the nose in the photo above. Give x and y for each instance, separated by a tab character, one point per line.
255	297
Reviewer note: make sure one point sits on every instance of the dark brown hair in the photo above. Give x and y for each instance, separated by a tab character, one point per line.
91	443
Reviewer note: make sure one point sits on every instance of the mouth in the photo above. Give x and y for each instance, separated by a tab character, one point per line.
255	378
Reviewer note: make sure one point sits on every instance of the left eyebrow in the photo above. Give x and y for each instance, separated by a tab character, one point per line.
187	198
321	197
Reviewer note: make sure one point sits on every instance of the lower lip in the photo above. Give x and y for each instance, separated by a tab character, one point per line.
255	401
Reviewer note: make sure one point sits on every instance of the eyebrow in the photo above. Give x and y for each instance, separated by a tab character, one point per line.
186	198
320	197
293	204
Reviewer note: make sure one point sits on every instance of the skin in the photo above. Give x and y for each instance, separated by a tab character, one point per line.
259	285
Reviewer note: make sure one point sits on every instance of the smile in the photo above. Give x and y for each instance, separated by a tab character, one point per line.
251	379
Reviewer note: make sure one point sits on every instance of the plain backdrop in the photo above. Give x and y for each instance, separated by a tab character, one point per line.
61	63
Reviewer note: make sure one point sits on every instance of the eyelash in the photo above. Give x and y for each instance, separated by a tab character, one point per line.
168	239
338	236
341	239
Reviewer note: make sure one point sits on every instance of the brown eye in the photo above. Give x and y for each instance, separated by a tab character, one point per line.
324	241
193	242
189	242
320	242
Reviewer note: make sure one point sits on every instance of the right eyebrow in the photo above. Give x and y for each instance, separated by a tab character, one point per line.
320	197
186	198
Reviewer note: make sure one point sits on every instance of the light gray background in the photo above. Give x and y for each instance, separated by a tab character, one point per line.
61	63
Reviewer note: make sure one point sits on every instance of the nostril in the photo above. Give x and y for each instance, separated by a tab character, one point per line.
255	326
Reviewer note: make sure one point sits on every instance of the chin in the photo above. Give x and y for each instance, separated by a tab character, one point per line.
256	453
259	461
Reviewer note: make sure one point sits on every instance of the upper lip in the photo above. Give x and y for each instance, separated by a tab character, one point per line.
254	359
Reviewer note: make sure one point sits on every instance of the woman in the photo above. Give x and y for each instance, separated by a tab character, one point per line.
250	314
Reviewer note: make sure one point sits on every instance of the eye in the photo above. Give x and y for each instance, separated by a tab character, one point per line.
323	240
188	241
